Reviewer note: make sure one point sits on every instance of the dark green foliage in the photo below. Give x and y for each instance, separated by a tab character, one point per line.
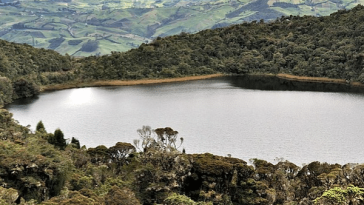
90	46
34	168
6	91
215	178
74	42
22	60
57	139
40	127
100	154
212	165
24	68
76	143
23	89
10	130
55	42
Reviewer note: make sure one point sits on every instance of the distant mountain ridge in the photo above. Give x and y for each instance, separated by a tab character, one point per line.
121	25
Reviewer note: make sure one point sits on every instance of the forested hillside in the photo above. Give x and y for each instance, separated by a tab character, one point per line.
23	68
329	46
89	27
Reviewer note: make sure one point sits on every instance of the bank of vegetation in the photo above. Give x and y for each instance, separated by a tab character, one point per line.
42	166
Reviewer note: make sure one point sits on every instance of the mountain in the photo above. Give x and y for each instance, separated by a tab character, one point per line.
84	28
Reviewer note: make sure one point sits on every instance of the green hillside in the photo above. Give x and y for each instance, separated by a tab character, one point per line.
329	46
69	26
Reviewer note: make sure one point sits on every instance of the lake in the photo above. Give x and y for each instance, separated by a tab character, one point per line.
247	117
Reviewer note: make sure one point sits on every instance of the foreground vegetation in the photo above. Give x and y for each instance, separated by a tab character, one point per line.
43	167
84	28
40	167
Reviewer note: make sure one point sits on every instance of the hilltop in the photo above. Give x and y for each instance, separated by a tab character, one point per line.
84	28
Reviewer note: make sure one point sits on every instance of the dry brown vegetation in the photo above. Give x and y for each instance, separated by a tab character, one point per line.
124	82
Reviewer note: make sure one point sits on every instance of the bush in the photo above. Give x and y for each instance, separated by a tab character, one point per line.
57	139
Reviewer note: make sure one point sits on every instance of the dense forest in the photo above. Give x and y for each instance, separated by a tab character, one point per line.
44	167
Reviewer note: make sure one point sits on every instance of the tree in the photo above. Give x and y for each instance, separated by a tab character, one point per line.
167	138
163	139
40	127
120	152
57	139
76	143
164	167
100	154
24	88
117	196
337	195
146	135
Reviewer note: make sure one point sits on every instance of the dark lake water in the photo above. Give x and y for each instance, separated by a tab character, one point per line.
247	117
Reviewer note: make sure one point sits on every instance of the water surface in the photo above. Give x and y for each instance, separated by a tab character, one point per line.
247	118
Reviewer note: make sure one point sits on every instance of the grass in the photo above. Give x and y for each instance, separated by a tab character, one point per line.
125	82
311	79
287	11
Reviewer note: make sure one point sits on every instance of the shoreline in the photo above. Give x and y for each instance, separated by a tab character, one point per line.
101	83
318	79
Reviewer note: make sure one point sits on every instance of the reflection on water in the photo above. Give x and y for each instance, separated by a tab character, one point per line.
275	83
24	101
247	117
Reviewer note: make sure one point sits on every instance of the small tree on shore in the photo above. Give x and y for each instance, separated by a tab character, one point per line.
57	139
40	127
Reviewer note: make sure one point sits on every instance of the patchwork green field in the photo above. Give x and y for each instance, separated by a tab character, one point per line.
84	28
